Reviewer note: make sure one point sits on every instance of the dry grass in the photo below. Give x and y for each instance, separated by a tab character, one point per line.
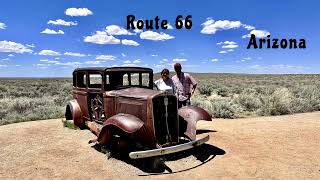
223	95
236	95
33	99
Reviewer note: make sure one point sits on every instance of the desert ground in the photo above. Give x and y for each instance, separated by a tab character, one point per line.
277	147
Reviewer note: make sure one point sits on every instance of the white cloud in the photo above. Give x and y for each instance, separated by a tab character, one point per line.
137	31
247	58
10	55
169	26
154	36
106	57
93	62
129	42
74	54
101	37
163	61
44	60
248	27
159	65
128	65
136	61
68	63
50	31
211	27
52	62
2	25
117	30
230	50
46	52
222	52
257	33
277	68
5	59
123	55
228	44
62	22
2	65
214	60
78	12
43	65
154	55
179	60
126	62
9	46
30	45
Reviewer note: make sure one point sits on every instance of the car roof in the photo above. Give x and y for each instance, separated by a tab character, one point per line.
115	69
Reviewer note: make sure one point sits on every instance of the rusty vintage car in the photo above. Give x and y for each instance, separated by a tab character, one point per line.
121	102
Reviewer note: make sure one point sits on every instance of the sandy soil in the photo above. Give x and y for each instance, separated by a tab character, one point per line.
283	147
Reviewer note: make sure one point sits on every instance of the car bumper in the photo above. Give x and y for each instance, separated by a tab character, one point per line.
168	150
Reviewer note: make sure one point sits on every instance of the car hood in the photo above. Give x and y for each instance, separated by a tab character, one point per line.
135	92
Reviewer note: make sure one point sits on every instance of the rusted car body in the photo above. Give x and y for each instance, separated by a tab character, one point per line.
121	101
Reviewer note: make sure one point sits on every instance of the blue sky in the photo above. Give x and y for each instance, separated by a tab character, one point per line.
52	38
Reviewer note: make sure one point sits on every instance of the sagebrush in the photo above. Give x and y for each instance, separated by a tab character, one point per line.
222	95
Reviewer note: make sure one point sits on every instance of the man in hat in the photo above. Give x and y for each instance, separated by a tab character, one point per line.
185	85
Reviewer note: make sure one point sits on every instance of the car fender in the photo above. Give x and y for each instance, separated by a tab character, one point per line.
192	114
126	122
75	110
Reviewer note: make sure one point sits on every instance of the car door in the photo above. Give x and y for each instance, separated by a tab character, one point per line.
80	92
95	96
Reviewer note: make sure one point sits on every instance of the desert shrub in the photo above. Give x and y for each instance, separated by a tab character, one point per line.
224	108
278	103
236	90
199	100
223	95
311	93
301	105
248	101
223	91
217	106
205	89
33	99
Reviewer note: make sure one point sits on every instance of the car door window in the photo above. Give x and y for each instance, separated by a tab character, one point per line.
95	81
81	80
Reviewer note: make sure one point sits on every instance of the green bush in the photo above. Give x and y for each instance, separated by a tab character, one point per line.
205	89
223	95
217	106
33	99
224	108
249	102
280	102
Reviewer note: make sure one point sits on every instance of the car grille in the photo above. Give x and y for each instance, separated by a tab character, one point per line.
160	125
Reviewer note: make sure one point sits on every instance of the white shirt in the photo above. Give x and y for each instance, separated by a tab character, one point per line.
165	85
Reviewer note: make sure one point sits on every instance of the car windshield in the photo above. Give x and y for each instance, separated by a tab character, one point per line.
121	80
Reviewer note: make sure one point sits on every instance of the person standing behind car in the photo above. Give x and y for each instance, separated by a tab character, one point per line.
165	83
185	86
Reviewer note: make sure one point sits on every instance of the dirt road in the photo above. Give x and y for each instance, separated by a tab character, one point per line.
283	147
